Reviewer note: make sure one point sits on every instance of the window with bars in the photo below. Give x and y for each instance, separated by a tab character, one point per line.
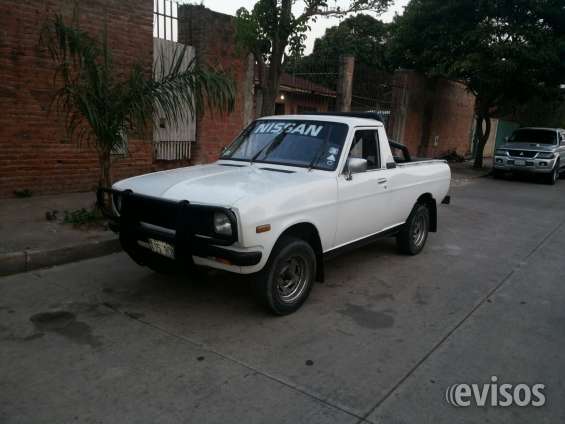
165	20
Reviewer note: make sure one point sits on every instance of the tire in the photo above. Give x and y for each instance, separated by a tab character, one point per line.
287	279
497	174
413	236
162	266
552	178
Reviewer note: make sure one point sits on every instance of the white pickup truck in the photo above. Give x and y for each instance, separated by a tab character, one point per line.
289	192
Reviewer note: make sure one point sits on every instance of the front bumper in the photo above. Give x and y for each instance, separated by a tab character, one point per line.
517	164
142	220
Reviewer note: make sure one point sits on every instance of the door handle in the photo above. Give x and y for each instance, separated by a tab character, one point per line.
382	181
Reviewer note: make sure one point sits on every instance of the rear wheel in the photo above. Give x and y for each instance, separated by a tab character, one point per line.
414	234
285	282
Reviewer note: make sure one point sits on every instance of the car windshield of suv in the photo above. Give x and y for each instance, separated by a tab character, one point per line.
290	142
533	136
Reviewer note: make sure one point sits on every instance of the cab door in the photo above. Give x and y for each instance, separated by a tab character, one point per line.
363	198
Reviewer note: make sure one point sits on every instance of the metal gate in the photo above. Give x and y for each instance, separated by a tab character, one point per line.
172	142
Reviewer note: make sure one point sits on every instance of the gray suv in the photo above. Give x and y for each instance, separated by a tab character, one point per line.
534	150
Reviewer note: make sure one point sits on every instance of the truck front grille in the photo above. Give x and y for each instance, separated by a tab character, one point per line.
522	153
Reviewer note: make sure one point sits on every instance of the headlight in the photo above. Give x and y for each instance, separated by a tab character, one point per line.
546	155
222	224
500	152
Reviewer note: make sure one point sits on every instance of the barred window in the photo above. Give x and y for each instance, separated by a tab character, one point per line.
165	20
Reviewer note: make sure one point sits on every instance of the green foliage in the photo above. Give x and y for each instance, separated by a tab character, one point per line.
21	194
82	216
259	29
273	32
540	112
273	20
505	51
101	101
361	35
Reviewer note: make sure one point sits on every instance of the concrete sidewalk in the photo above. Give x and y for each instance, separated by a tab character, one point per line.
463	172
31	241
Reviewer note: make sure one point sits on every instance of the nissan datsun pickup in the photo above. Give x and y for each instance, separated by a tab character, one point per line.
286	194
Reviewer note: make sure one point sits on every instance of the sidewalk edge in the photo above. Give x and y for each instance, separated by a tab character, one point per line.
29	260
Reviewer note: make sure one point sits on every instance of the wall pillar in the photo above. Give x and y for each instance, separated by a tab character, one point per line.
345	83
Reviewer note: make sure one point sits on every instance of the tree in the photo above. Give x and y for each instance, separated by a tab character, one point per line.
271	31
362	36
100	106
505	51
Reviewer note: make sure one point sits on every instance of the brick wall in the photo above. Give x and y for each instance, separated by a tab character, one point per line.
213	36
431	116
35	152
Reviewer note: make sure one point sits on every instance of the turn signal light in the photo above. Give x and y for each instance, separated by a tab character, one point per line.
263	228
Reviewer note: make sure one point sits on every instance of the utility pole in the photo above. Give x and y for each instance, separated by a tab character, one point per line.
345	84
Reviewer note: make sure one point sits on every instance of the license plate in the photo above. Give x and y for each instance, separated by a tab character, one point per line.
160	247
520	162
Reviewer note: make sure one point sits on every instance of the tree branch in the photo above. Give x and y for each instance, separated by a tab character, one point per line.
314	8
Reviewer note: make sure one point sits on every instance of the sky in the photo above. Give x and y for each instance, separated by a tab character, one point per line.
318	28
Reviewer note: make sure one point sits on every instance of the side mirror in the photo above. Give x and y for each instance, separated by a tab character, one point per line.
354	166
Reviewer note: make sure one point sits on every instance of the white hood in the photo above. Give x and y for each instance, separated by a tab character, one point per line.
215	184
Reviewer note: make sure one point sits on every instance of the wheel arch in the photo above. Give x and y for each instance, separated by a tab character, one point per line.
308	232
428	200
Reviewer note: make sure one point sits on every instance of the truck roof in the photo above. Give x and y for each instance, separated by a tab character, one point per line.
350	120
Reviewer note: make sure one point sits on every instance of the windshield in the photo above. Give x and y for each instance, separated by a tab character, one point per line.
299	143
534	136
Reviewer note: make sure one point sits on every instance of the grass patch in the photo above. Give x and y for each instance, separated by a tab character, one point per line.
83	216
22	194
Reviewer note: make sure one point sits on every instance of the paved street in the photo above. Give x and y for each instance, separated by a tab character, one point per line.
105	341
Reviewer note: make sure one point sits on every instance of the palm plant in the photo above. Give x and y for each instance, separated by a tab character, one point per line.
100	105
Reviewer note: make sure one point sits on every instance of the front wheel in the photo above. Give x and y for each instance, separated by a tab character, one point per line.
497	173
552	178
285	282
414	234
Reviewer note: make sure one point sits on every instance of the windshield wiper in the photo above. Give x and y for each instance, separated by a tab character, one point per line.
268	148
233	147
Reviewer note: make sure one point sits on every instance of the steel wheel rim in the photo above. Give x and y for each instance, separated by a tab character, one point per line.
292	279
419	228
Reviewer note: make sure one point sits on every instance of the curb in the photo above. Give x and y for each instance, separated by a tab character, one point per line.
28	260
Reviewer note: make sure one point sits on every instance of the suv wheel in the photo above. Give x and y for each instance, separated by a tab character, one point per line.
552	178
497	173
285	282
414	234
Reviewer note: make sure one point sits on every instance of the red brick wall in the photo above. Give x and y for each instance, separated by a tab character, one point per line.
452	120
35	153
431	116
213	36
